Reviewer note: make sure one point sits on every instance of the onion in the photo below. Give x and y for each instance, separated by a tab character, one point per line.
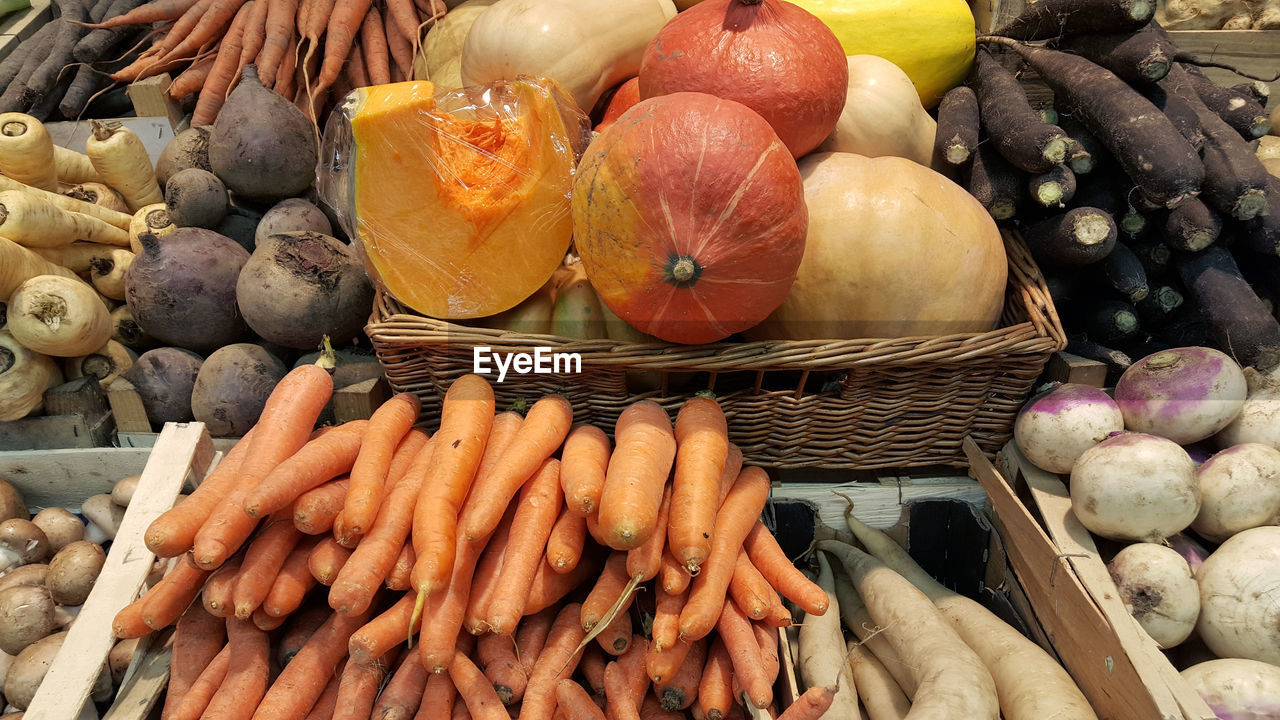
1183	394
1135	487
1056	426
1240	597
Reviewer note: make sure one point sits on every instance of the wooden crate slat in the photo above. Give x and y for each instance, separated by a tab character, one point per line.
64	478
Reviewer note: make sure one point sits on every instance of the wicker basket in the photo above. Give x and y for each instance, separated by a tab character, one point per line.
853	404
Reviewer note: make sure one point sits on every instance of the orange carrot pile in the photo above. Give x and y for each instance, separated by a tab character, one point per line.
502	565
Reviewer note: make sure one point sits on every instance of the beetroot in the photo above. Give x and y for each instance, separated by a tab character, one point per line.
262	146
163	378
233	386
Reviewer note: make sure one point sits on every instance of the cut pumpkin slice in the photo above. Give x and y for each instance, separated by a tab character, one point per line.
461	202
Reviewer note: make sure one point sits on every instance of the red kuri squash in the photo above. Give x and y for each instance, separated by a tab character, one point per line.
624	97
689	216
770	55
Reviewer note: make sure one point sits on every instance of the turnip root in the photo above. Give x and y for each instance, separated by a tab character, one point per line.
261	145
293	215
1190	549
187	149
106	363
1239	489
1237	689
182	290
1055	427
1157	588
24	376
232	388
1259	419
195	198
1135	487
1240	596
164	379
1184	394
58	316
301	286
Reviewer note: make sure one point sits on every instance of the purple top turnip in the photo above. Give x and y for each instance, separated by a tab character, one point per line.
1135	487
1184	394
1056	426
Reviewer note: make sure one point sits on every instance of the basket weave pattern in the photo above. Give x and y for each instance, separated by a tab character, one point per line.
852	404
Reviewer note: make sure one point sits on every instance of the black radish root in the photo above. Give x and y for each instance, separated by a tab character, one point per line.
1255	89
1079	236
1025	140
1115	360
1238	109
1054	188
1123	272
1112	322
1047	19
1156	258
1159	306
1143	56
1079	159
1238	322
1262	234
958	123
1192	226
1146	144
996	184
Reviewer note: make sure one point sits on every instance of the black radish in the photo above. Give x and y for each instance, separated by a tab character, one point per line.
1240	110
262	146
1123	272
1079	159
1237	319
1115	360
1081	136
1159	306
1017	131
1079	236
1192	226
1047	19
1138	57
1054	188
958	123
1262	233
1112	321
1155	256
1152	152
996	184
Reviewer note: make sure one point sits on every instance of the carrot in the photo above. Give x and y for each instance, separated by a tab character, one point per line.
485	579
302	625
398	578
765	553
672	577
293	581
373	559
549	587
174	531
564	545
357	690
615	637
343	26
302	681
377	56
217	597
405	18
277	36
284	84
247	675
666	618
644	561
400	44
327	703
255	34
475	689
128	621
531	635
734	521
558	660
192	79
377	637
576	703
778	615
496	654
262	562
283	428
402	696
168	599
626	680
196	642
811	705
541	433
732	469
586	459
535	514
320	460
315	510
217	17
592	667
196	699
652	709
152	12
265	622
459	711
327	560
353	73
744	651
443	617
749	590
606	591
388	425
767	639
638	471
663	663
702	438
715	687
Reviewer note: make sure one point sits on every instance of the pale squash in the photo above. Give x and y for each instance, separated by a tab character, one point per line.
933	41
587	46
882	114
894	249
439	59
462	210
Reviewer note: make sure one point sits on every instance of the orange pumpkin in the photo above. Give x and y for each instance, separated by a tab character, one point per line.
689	216
624	97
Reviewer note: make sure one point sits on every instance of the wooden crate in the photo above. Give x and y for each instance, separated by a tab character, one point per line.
19	26
183	454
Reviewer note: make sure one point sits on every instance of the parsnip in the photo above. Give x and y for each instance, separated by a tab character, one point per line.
76	257
951	680
107	273
106	363
153	219
58	316
126	331
74	167
107	215
27	219
24	376
98	194
19	264
26	151
122	162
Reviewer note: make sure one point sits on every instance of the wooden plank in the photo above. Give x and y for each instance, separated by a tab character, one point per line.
1064	367
1256	52
148	440
1079	631
126	406
358	401
21	25
82	396
144	682
55	432
1075	542
879	506
183	449
63	478
150	98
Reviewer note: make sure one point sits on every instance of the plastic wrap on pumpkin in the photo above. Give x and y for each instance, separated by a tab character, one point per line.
458	202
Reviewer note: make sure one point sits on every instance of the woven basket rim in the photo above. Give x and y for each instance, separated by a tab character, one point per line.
391	326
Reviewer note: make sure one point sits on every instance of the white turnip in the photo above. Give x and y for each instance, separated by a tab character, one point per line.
1240	597
1157	588
1259	419
1135	487
1056	426
1239	489
1237	689
1184	394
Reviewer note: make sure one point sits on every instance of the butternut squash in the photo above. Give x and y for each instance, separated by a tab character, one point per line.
882	114
587	46
440	57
